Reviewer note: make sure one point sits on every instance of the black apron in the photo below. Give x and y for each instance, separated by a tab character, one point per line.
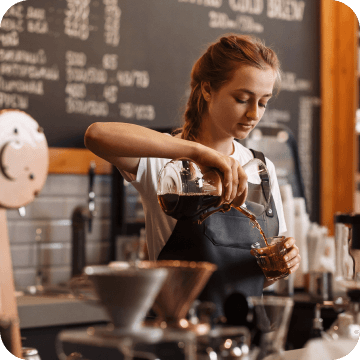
225	239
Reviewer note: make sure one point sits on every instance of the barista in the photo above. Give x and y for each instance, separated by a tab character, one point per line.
231	84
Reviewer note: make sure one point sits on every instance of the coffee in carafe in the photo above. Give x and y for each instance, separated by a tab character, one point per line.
180	206
185	189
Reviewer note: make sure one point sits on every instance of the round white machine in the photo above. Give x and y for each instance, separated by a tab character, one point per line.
24	159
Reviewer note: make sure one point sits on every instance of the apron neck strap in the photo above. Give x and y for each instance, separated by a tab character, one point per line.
265	181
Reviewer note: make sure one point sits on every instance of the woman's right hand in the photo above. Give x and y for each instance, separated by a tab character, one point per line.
234	176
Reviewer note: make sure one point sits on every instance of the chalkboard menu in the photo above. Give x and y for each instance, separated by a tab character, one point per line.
69	63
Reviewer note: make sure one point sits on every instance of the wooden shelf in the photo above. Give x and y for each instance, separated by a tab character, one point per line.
75	161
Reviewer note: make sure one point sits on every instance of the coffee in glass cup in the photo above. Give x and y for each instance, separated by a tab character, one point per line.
271	258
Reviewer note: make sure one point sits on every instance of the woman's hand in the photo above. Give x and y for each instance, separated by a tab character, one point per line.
293	257
234	176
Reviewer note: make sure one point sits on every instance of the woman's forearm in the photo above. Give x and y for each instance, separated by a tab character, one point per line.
129	140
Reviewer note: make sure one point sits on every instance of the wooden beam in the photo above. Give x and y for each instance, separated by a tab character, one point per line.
75	161
338	77
347	44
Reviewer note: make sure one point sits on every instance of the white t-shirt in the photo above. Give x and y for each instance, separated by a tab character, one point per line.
160	226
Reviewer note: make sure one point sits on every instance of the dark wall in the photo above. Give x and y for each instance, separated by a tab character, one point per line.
70	65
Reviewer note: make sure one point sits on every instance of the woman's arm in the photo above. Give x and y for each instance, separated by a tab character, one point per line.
124	144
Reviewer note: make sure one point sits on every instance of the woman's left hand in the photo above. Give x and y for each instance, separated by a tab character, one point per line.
293	257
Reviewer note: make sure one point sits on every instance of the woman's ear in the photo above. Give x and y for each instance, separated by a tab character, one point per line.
206	90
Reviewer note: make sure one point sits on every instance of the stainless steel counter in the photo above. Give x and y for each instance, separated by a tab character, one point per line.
41	311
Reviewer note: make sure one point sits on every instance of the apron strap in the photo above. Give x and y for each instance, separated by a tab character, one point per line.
265	182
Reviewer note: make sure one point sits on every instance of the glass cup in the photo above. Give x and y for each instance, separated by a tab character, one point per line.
272	318
271	258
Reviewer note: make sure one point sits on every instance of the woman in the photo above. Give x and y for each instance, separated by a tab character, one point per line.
231	85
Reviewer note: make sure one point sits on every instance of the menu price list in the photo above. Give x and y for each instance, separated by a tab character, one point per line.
27	73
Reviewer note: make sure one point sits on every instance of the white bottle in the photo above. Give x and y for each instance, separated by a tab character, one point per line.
301	228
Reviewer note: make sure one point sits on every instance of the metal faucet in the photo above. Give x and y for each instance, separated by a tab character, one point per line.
39	287
91	198
81	215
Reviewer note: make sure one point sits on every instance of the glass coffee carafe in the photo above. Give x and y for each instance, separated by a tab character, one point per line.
185	189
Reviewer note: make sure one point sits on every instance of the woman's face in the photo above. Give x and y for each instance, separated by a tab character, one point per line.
237	107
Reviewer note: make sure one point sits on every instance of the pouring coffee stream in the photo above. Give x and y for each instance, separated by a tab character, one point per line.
252	218
243	210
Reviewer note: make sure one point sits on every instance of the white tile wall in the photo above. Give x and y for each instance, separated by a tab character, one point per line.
23	231
52	212
42	208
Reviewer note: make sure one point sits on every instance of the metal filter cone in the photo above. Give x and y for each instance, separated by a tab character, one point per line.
126	292
182	286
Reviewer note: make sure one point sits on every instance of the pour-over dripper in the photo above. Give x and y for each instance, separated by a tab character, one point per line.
126	292
185	189
273	316
185	281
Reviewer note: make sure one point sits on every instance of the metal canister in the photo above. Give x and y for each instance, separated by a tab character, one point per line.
30	353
